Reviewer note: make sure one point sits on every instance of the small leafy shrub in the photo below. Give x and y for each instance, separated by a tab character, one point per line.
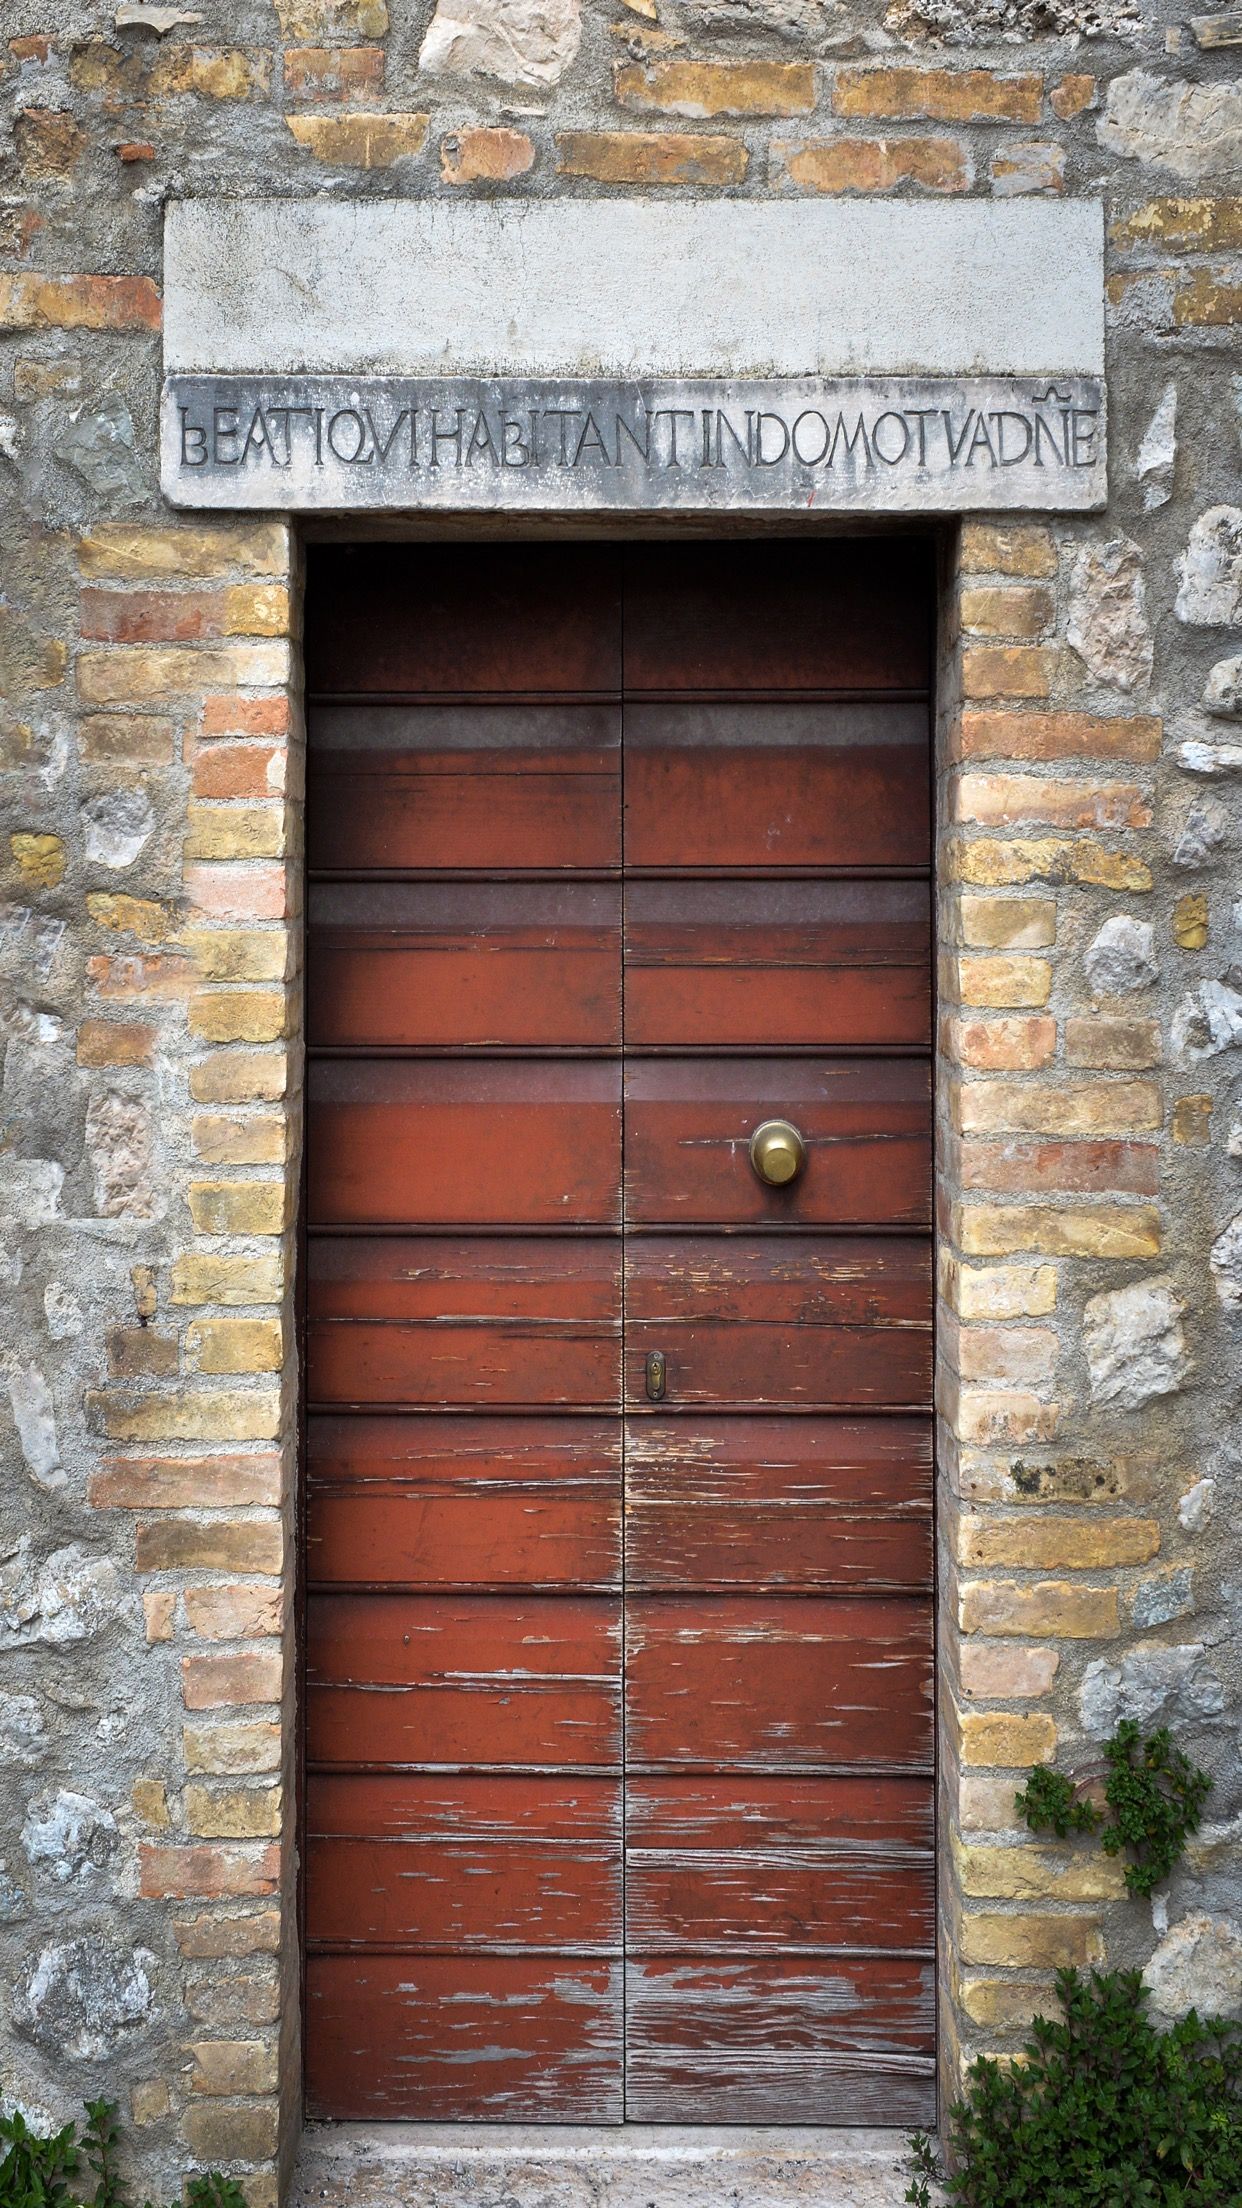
36	2173
1154	1792
1103	2112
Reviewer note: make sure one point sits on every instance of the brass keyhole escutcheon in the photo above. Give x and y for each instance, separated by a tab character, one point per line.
777	1152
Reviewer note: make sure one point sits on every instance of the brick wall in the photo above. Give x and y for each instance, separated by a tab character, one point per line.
1090	1125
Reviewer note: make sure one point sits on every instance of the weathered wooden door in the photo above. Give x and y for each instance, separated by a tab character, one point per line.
619	1727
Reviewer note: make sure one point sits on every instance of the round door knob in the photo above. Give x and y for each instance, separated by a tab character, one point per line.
777	1152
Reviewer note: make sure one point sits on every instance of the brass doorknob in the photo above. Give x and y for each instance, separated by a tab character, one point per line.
777	1152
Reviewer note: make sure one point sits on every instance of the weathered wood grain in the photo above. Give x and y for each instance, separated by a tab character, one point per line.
463	1502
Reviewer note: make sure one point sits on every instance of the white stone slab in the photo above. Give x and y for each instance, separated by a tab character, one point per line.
623	2166
892	445
719	288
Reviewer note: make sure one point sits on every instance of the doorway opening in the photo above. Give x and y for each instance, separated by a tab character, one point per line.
618	1655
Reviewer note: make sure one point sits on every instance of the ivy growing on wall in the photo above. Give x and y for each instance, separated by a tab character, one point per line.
1155	1798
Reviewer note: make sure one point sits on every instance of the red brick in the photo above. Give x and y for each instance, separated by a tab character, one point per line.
152	616
651	157
237	889
183	1874
332	72
115	1043
1060	736
140	1353
233	716
1077	1167
874	164
940	95
186	1483
234	1613
1015	1042
124	974
215	1937
215	1545
239	770
217	1682
29	302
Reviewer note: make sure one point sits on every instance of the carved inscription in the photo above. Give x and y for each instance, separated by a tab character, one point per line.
892	444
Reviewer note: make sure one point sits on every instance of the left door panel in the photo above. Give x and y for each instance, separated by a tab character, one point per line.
463	1541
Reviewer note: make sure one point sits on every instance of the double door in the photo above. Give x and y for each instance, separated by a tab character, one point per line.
618	1511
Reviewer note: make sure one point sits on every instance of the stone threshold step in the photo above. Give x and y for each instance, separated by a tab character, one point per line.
622	2166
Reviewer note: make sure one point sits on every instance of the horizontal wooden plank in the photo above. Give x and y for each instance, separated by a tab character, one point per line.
464	2037
777	785
463	1142
473	1320
464	1862
866	1124
770	964
802	1323
772	2041
803	1504
722	1864
419	618
464	965
469	1679
804	614
764	1682
463	1502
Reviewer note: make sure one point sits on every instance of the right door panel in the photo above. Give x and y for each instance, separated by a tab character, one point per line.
777	1623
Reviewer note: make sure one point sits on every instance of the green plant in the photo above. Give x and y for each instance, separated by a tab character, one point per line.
1104	2111
1155	1794
35	2172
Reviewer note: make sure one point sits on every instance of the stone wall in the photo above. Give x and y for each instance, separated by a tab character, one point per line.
1091	1210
